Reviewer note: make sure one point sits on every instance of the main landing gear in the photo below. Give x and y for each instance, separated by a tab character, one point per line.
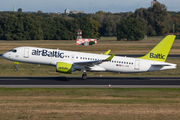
16	68
84	76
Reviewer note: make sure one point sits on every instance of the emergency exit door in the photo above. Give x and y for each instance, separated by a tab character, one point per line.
137	64
26	52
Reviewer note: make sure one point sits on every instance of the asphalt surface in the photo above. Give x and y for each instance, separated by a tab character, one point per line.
119	82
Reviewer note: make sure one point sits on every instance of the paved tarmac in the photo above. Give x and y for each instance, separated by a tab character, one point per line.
98	82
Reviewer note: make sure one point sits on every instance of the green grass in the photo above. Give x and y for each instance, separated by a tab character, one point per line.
89	103
107	38
148	38
155	37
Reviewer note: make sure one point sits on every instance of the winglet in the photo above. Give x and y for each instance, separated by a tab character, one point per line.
107	53
110	58
161	50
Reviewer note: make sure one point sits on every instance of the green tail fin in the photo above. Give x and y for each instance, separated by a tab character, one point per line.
161	50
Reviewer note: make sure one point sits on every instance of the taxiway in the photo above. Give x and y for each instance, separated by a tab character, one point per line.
98	82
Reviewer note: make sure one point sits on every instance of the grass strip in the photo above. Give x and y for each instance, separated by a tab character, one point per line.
90	103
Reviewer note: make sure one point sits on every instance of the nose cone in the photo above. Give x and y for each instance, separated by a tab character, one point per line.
5	55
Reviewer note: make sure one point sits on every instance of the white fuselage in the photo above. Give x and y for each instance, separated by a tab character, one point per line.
52	56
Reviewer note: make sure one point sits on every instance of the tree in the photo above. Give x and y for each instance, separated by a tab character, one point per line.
160	18
155	19
89	27
130	29
39	11
109	25
101	12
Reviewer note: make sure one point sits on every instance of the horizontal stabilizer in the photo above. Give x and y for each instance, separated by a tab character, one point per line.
161	64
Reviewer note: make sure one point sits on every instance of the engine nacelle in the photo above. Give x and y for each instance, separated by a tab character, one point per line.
64	67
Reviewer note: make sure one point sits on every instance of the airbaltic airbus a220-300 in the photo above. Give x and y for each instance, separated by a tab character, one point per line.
69	61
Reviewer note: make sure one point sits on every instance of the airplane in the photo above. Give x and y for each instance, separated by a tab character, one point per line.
70	61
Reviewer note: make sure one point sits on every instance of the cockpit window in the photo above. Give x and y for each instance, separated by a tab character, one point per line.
13	50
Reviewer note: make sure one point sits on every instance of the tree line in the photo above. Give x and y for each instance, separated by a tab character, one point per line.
154	20
150	21
25	26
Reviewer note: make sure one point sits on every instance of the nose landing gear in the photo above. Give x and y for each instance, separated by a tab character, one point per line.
16	68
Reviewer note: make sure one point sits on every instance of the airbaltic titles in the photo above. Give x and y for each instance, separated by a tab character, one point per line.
56	54
157	56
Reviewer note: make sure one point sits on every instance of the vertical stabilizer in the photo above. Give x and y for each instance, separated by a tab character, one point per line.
161	50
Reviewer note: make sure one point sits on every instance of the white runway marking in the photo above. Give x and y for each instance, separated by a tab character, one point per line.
13	79
164	79
90	86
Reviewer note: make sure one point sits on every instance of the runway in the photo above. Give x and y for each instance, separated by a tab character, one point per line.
98	82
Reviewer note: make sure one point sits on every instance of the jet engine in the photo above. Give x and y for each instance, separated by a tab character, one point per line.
64	67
